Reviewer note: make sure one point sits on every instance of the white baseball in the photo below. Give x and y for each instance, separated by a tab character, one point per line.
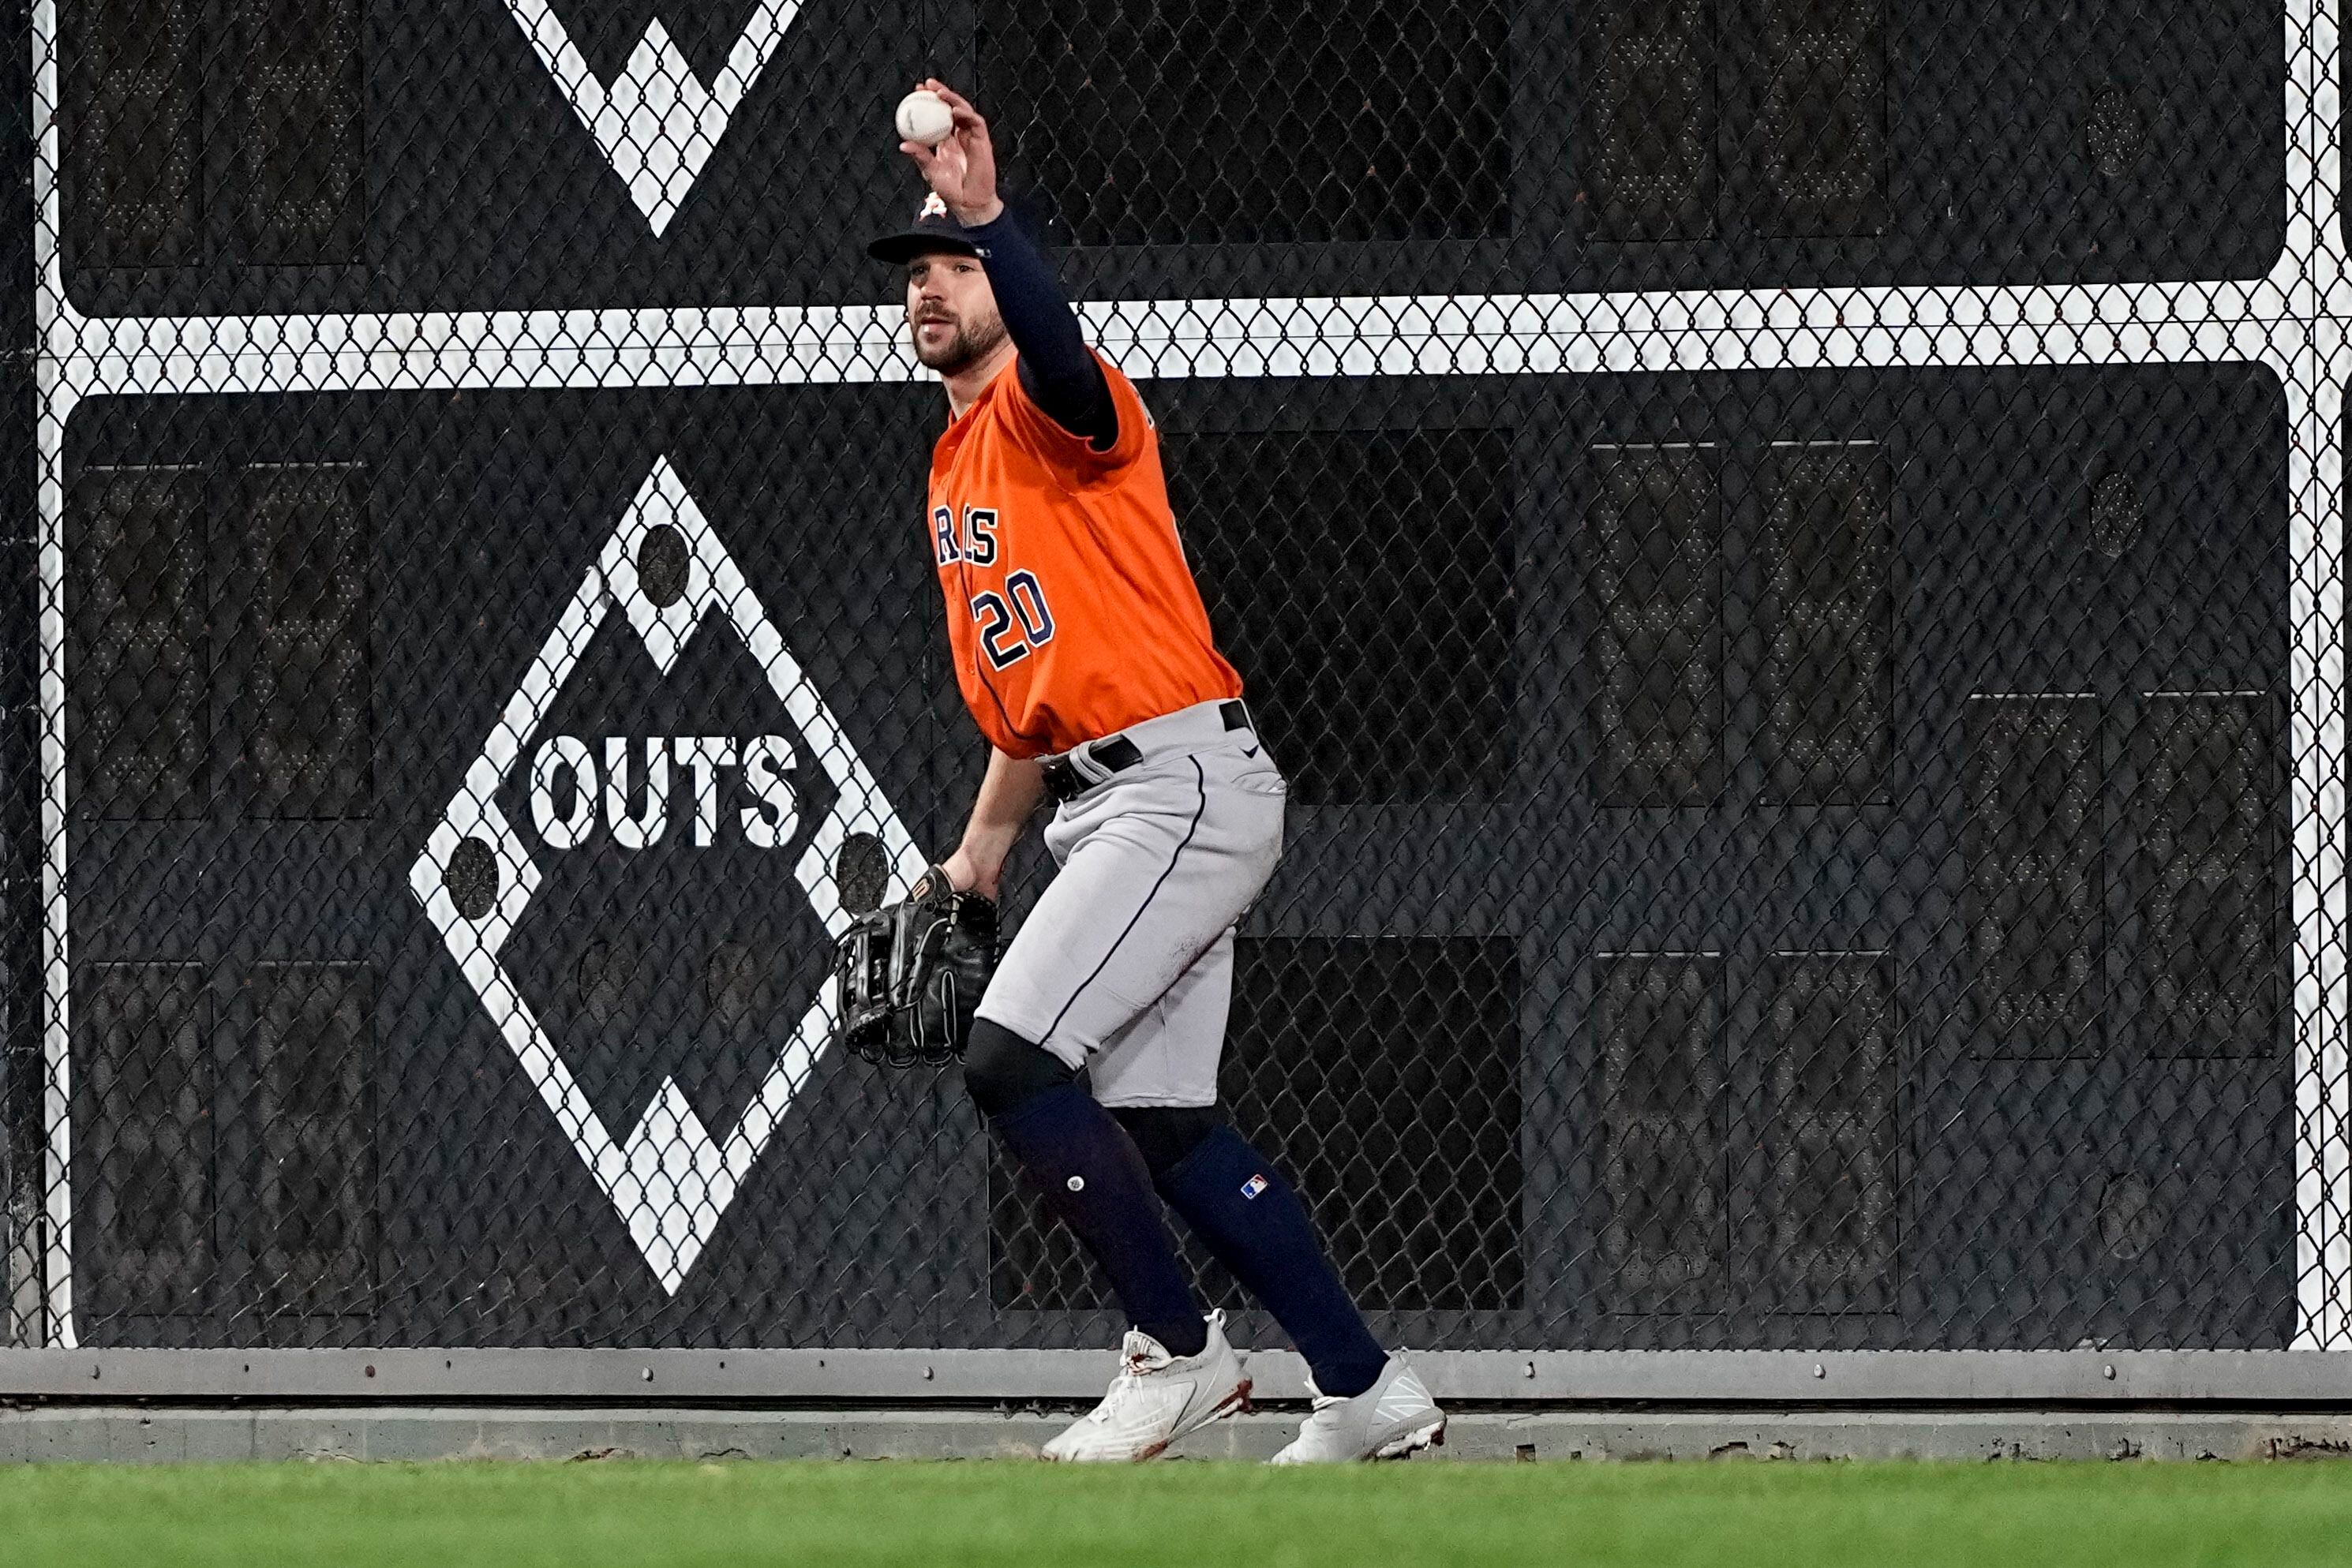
924	117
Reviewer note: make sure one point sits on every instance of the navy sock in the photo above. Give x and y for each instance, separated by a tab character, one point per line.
1095	1181
1238	1203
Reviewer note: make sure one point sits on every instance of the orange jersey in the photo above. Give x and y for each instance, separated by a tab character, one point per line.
1071	611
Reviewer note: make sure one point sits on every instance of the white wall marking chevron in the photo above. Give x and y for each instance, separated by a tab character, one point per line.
656	123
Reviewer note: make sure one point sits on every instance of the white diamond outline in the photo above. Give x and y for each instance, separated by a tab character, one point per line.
655	122
669	1179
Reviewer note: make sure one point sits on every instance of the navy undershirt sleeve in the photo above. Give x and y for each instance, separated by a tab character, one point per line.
1060	373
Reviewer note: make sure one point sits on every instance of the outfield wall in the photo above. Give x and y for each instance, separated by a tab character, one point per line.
1791	554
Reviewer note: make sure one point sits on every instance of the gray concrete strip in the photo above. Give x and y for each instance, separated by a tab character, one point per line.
215	1437
316	1434
133	1435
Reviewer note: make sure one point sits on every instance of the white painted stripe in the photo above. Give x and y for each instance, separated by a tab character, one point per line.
1363	336
49	440
2323	1101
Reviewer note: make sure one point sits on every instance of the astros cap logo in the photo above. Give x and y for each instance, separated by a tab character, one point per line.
934	207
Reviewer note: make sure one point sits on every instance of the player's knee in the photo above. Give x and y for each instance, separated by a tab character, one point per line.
1166	1133
1001	1069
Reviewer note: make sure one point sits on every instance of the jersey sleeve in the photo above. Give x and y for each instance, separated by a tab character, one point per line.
1074	456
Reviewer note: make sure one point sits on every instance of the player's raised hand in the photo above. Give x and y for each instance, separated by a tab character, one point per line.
961	169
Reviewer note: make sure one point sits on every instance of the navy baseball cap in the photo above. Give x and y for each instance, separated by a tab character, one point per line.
934	229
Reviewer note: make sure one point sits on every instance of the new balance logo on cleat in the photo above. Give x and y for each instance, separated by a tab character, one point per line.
1157	1398
1394	1418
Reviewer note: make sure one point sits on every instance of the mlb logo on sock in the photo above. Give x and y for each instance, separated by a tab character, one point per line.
1255	1185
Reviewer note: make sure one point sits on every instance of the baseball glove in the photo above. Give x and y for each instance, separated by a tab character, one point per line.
912	973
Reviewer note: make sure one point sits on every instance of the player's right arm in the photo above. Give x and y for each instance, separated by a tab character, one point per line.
1009	795
1058	369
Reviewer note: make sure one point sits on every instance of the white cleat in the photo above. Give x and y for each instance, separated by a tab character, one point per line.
1157	1398
1392	1418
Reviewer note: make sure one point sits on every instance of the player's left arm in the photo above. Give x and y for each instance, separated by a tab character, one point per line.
1058	369
1009	795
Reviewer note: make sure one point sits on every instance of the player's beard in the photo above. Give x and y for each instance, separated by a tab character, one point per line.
970	343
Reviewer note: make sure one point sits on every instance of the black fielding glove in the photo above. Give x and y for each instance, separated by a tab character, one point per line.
911	975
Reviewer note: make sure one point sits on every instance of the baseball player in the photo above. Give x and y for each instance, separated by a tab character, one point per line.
1084	654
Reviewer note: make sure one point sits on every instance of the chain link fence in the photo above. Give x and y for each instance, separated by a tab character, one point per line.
1790	550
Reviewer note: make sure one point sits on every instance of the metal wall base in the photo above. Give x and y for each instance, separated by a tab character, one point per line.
128	1434
916	1377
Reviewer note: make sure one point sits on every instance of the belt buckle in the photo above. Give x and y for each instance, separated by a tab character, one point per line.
1064	780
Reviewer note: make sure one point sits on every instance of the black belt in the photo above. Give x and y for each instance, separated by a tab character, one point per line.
1115	754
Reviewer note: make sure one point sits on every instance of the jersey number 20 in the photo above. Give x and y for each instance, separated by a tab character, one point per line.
1000	638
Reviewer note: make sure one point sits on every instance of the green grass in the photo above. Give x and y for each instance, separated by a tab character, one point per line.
949	1515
